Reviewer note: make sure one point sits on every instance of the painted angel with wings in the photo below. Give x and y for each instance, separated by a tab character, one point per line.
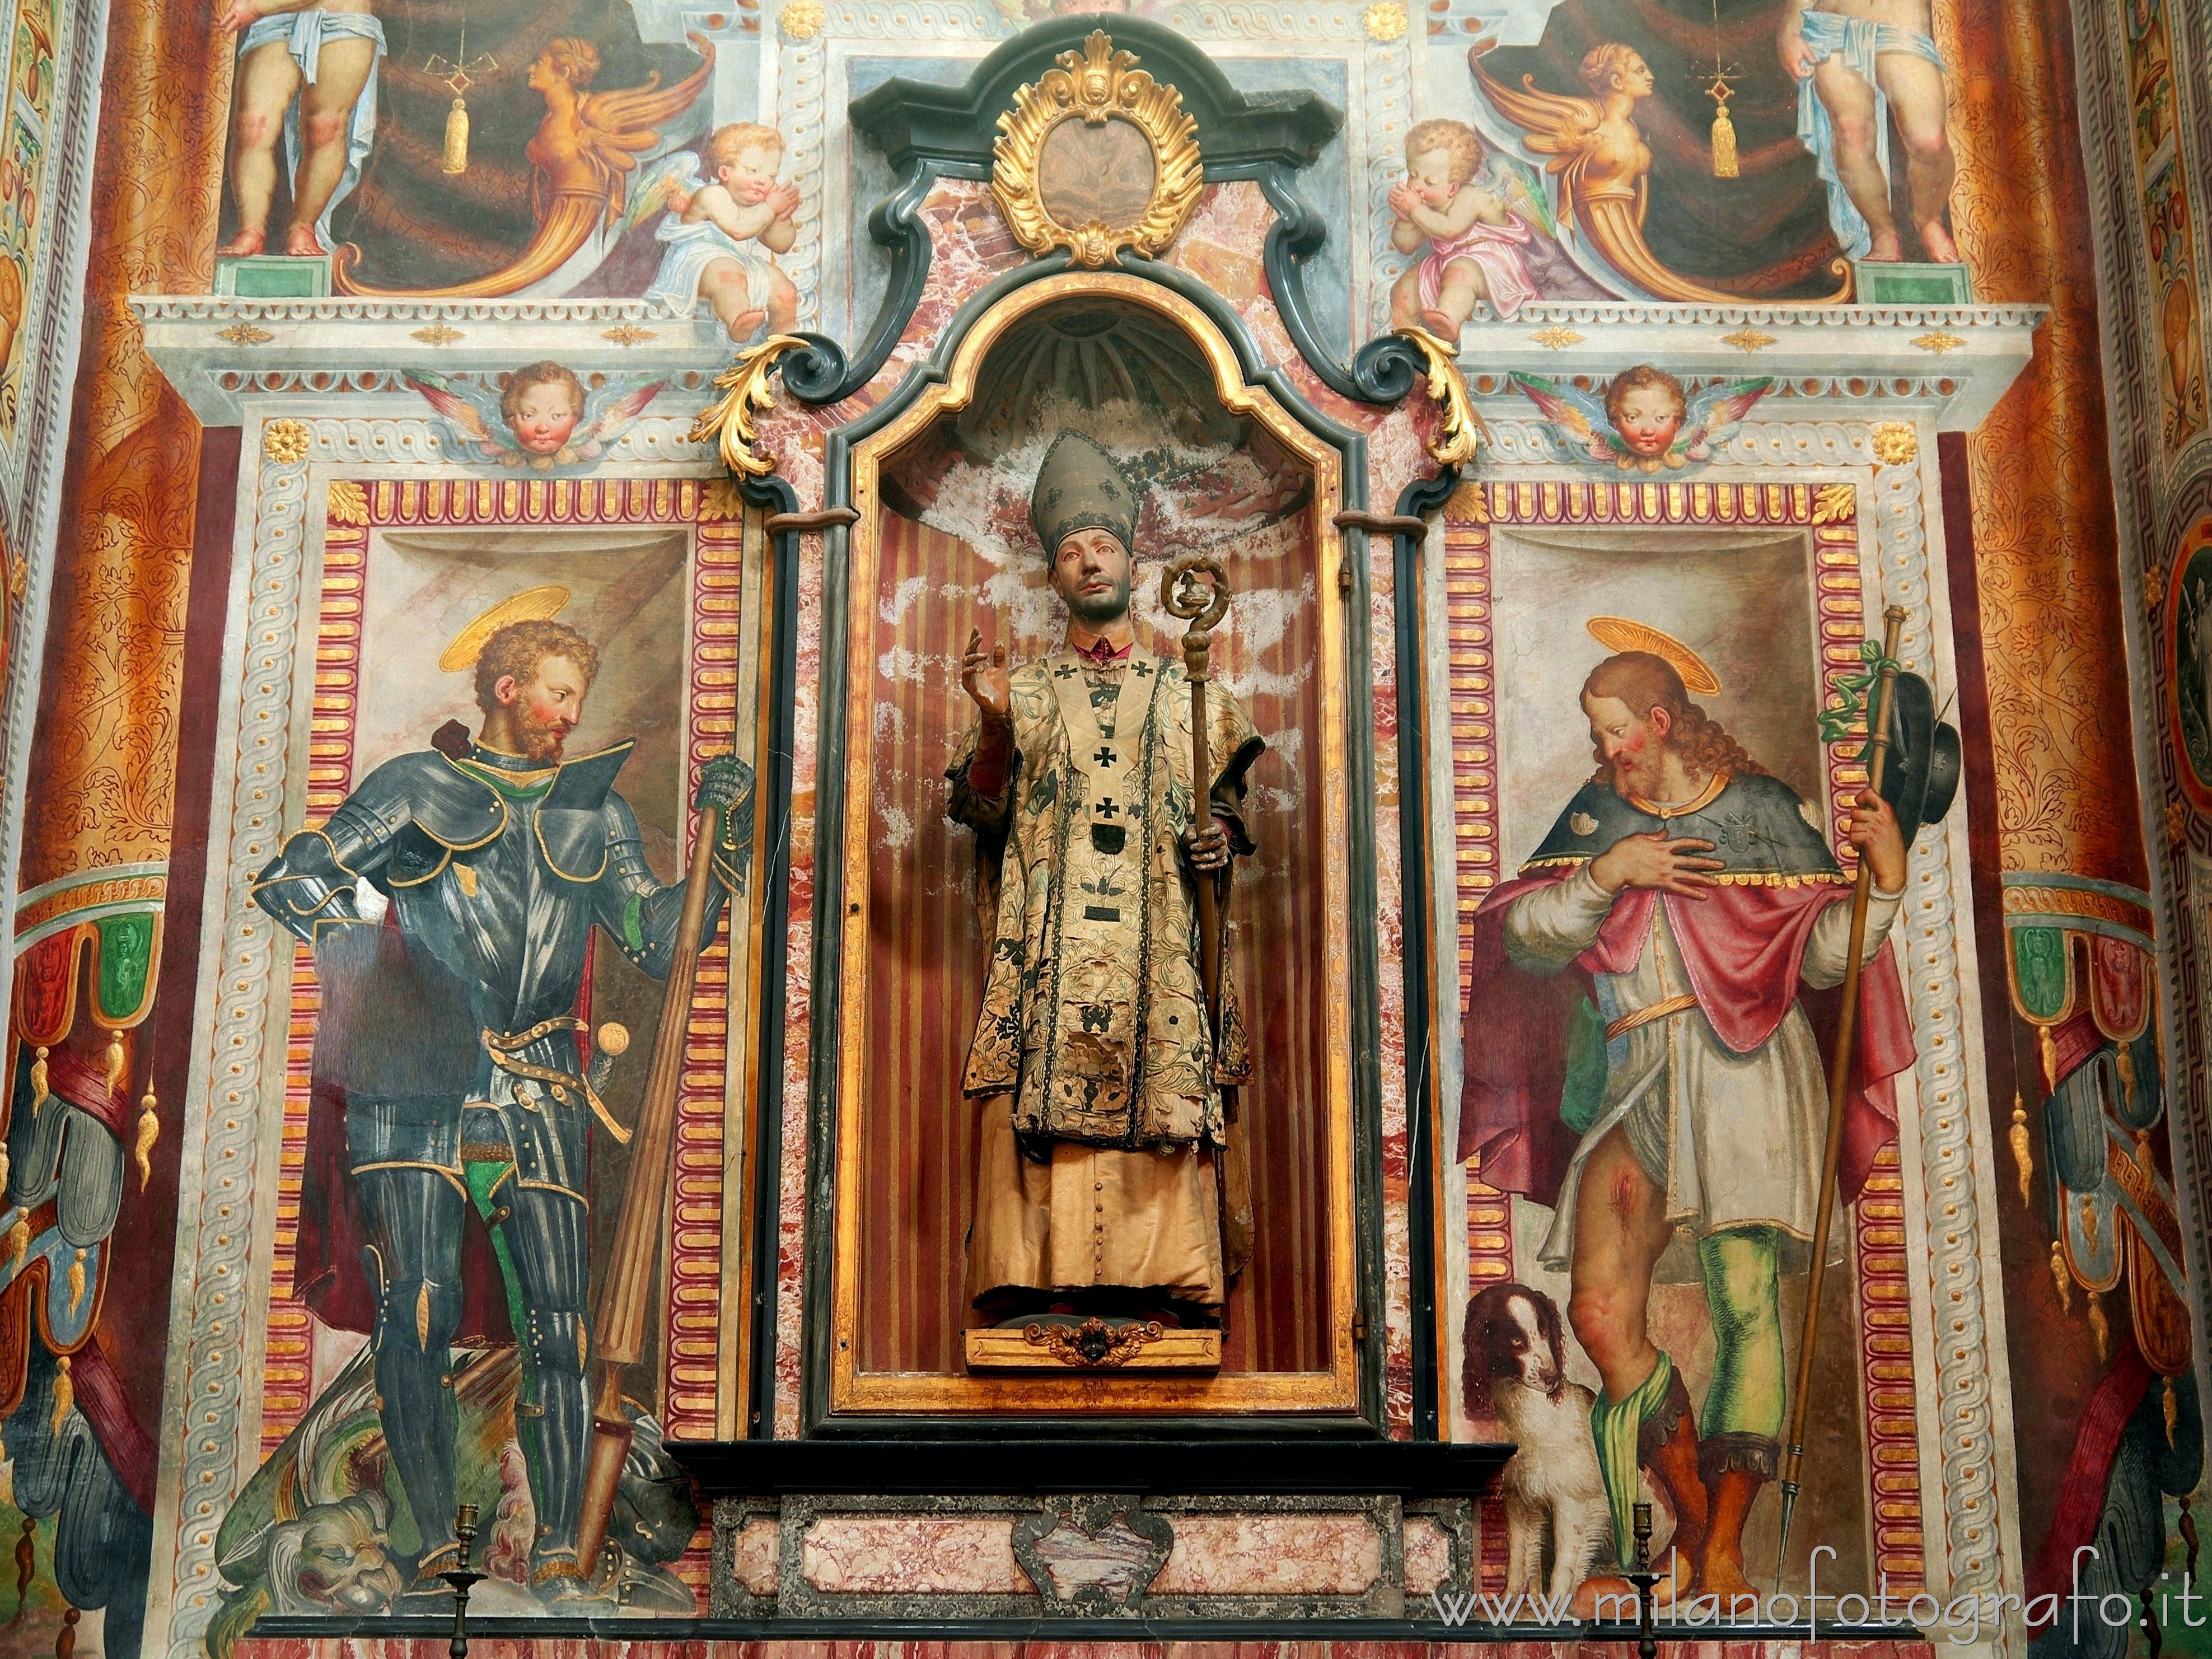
585	151
1644	421
542	419
1476	213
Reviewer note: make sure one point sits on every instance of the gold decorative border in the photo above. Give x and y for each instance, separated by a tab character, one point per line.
1096	86
1335	1390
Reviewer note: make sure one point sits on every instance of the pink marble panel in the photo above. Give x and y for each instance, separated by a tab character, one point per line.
791	1198
913	1555
755	1564
1428	1556
1339	1554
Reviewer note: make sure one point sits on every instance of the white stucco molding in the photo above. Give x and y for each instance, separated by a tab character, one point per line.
1956	359
218	351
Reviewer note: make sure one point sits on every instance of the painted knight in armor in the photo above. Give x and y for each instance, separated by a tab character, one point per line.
450	1031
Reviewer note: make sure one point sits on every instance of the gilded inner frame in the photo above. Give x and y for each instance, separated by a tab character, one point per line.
1333	1388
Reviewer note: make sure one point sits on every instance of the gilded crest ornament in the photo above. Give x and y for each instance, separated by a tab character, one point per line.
1096	157
1094	1343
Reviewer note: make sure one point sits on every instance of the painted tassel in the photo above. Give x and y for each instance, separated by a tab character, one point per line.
1724	164
39	1077
115	1060
2023	1157
457	138
76	1283
27	1563
65	1393
149	1131
2100	1327
2062	1278
19	1240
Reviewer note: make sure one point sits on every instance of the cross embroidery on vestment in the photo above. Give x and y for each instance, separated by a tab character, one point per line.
1105	757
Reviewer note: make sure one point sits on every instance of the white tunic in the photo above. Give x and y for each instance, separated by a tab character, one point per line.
1736	1139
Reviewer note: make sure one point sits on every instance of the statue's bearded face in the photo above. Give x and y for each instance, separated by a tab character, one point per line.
1634	746
1091	572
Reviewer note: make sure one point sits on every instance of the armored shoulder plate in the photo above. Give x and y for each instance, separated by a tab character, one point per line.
581	813
453	807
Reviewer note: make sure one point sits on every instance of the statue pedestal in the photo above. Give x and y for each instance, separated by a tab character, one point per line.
1093	1344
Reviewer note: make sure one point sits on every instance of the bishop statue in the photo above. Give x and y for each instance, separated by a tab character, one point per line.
1098	1069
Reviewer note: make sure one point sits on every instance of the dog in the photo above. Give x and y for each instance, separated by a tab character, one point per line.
1516	1349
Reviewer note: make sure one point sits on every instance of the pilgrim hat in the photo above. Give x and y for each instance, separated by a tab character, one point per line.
1921	777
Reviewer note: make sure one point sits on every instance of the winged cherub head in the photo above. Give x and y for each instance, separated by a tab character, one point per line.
1647	406
542	404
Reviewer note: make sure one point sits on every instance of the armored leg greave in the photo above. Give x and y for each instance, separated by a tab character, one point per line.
549	1252
415	1219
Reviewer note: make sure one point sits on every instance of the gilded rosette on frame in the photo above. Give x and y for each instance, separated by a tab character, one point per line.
1096	157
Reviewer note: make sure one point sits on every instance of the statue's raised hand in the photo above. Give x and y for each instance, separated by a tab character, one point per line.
987	677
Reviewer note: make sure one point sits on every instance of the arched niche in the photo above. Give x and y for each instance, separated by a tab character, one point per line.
939	476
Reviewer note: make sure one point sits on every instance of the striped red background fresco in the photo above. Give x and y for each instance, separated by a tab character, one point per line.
918	1146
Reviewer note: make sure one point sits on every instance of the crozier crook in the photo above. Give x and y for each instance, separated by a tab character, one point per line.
1195	588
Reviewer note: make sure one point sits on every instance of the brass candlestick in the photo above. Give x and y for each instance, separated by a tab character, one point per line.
1647	1645
463	1578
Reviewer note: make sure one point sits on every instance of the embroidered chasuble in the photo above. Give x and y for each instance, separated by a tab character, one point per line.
1101	1110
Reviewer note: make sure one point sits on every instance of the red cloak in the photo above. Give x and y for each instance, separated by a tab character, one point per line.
1743	946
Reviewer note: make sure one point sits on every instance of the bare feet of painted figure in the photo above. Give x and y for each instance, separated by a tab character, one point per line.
1858	61
276	41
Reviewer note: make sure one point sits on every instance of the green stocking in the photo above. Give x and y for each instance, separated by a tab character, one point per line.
1615	1428
1743	1291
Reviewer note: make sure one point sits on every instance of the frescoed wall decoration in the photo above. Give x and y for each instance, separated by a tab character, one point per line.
1551	583
400	1385
1596	331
